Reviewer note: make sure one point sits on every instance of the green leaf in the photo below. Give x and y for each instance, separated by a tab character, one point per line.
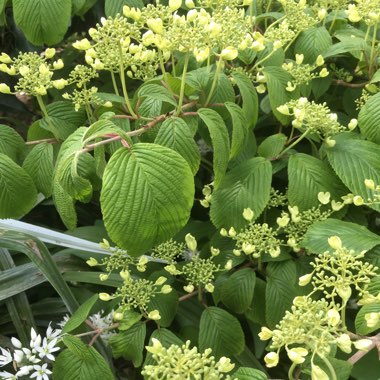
80	362
80	314
313	42
239	128
277	79
280	290
101	128
353	236
113	7
157	92
246	185
376	77
146	197
220	141
307	177
167	305
42	21
65	206
360	322
221	332
369	119
18	194
130	344
175	134
347	45
40	166
249	97
175	85
63	120
237	291
354	161
244	373
11	143
272	146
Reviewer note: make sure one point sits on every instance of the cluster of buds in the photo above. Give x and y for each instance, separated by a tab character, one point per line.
375	196
255	239
168	251
335	273
137	294
35	72
32	361
304	73
310	328
198	272
311	117
276	199
183	362
207	192
366	10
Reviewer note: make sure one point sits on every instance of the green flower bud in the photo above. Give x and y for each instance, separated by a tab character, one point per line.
324	198
92	262
209	288
154	315
265	333
190	4
248	214
358	200
229	53
191	242
188	288
344	343
317	373
57	65
225	365
82	44
5	58
166	289
333	317
271	359
49	53
335	242
4	88
370	184
105	296
175	4
305	279
156	25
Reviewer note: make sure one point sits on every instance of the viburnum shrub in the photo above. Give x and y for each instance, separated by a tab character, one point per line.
225	154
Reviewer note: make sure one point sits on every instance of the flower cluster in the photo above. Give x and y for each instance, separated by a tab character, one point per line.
310	117
32	361
276	199
207	192
309	328
198	272
35	72
303	73
366	10
183	362
168	251
256	239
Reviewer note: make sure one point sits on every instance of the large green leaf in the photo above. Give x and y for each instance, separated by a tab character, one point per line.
130	344
238	289
80	362
239	128
360	321
11	143
101	128
272	146
18	193
62	119
353	46
40	166
221	332
42	21
249	97
113	7
280	290
157	92
220	141
246	185
65	206
146	197
369	119
307	177
175	134
313	42
167	305
249	374
354	161
277	79
353	236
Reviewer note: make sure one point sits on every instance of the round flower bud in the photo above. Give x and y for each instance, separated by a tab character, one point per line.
236	252
336	206
363	344
284	109
188	288
223	232
330	142
49	53
156	346
59	84
248	214
118	316
190	4
324	73
82	44
344	343
92	262
57	65
322	13
344	292
166	289
175	4
358	200
333	317
370	184
229	53
299	59
335	242
297	354
124	274
103	277
283	221
271	359
324	197
5	58
209	288
41	90
265	333
214	251
319	61
154	315
191	242
305	279
161	280
228	265
352	124
225	365
105	296
372	319
156	25
4	88
232	232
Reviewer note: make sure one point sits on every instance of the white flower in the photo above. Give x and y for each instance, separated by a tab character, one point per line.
16	343
103	321
7	375
24	370
52	334
5	358
47	348
41	373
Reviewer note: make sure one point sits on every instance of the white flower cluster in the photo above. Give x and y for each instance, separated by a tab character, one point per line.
32	360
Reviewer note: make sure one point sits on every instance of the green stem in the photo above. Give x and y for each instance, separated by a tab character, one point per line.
372	48
46	115
200	295
173	65
215	80
291	371
343	315
333	22
123	84
183	83
262	60
162	66
330	367
114	84
293	144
